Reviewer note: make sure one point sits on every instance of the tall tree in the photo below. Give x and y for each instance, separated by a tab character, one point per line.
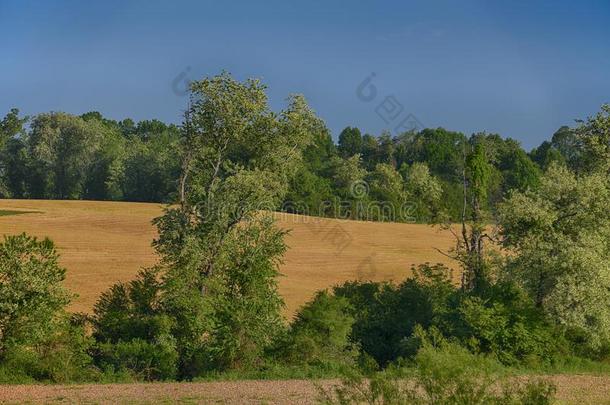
593	137
62	148
220	251
559	239
470	241
350	142
10	126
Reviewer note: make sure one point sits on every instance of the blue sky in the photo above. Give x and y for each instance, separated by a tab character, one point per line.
521	68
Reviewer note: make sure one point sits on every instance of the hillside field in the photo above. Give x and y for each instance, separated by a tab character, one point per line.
104	242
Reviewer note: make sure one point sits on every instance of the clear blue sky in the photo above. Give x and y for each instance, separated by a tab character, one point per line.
520	68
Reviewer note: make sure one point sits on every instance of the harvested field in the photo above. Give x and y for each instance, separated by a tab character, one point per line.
105	242
572	389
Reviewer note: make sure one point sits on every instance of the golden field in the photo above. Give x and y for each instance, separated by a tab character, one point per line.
102	243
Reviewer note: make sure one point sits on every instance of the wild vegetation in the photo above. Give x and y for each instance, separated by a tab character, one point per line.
211	306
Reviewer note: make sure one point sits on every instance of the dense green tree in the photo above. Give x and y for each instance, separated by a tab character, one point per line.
131	331
320	333
350	142
238	158
546	154
386	149
10	176
441	150
387	194
31	291
558	236
151	167
423	190
62	148
370	151
593	139
565	141
309	194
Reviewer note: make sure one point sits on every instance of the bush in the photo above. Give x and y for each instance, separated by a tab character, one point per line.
38	339
144	360
386	314
129	310
61	357
133	334
320	332
505	322
502	320
31	294
448	374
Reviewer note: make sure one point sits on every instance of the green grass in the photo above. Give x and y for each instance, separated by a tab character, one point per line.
5	213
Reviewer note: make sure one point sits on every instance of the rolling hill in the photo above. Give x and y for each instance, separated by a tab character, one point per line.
102	243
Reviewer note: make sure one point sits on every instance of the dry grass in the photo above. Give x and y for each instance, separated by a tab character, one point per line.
105	242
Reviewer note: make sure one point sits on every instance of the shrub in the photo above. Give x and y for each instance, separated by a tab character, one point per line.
386	314
31	294
38	339
133	333
144	360
448	374
320	332
129	310
61	357
505	322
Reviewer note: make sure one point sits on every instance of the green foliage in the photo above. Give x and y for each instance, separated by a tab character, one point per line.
350	142
559	235
151	166
145	360
446	374
10	127
133	333
503	322
386	314
423	190
38	341
220	254
319	334
593	139
387	194
506	323
62	356
129	311
31	293
308	194
244	298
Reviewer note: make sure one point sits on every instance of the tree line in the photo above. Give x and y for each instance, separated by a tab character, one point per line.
211	306
416	175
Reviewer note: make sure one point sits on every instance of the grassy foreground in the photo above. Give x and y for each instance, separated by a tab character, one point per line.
571	389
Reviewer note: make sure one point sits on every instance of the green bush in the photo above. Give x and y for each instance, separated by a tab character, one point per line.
319	334
38	339
133	334
444	375
505	322
386	314
144	360
61	357
501	321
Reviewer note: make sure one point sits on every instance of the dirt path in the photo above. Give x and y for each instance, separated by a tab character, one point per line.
572	389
